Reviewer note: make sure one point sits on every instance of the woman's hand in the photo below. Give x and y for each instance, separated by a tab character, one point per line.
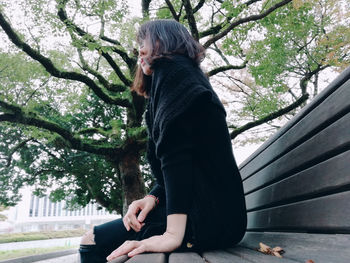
169	241
145	205
164	243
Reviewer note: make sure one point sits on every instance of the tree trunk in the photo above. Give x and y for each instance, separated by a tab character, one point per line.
132	181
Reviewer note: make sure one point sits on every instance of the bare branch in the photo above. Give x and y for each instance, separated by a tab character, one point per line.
248	3
172	10
198	6
269	117
224	68
191	20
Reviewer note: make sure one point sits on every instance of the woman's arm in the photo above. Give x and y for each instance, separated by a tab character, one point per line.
177	169
169	241
175	228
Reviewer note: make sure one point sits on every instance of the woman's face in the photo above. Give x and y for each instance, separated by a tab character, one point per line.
144	53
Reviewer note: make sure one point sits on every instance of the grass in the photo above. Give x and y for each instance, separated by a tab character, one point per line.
42	235
9	254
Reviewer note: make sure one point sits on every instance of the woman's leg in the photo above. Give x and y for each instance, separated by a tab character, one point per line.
97	244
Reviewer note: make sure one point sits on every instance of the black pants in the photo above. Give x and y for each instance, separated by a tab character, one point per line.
111	235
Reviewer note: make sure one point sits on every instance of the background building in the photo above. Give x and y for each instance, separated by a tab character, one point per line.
37	214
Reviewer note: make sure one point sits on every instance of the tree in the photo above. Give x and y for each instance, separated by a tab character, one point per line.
69	121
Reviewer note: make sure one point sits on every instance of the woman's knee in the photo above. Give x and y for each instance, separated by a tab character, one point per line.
88	238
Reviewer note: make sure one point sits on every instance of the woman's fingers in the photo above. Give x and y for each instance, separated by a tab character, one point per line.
130	220
135	224
138	250
143	214
124	249
126	224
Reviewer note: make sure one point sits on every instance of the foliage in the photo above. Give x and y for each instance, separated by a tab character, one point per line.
68	121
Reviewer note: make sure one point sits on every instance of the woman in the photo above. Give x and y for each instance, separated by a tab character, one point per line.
198	201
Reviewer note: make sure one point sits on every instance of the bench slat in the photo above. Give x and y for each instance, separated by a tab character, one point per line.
221	256
189	257
335	104
320	179
320	248
333	138
325	214
257	257
148	258
120	259
253	160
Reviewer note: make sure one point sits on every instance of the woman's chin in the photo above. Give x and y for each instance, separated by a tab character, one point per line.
147	71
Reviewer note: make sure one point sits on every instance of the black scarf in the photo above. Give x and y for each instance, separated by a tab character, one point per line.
177	83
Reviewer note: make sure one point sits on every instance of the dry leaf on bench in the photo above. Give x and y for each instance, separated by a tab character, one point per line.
264	248
276	251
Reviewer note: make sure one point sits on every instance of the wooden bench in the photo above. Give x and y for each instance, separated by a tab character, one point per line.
297	187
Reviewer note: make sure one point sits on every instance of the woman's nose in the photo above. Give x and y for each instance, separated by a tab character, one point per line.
142	51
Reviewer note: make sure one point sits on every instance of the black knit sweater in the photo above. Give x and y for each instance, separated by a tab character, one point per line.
190	154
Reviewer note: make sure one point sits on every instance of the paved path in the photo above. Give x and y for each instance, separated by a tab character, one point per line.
66	259
59	242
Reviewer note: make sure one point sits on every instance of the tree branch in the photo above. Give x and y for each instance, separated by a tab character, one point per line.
198	6
172	10
269	117
190	18
98	196
131	62
101	79
33	119
243	21
14	149
145	8
224	68
51	68
69	24
304	81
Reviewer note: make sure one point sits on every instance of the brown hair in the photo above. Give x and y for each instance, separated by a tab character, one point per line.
166	37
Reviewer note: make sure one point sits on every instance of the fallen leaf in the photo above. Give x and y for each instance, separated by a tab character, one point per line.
276	251
309	261
264	248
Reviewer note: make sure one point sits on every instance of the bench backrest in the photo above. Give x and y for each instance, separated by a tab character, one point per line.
299	179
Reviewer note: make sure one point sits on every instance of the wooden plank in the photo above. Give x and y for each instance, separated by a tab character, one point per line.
336	136
148	258
120	259
335	104
329	213
320	248
257	257
221	256
331	88
327	176
185	257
